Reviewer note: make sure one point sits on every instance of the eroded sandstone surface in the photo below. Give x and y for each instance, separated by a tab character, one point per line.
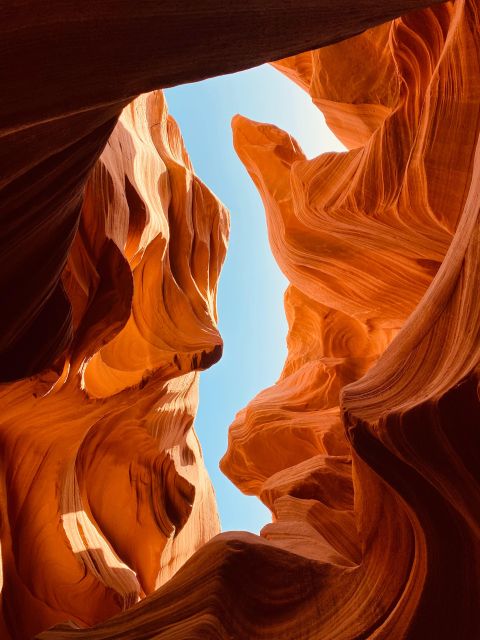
105	489
366	450
69	70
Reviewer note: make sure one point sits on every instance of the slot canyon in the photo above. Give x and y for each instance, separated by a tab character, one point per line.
366	450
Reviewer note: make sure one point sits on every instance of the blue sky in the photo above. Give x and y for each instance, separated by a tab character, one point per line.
250	298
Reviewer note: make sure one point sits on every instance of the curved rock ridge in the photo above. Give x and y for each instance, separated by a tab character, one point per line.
104	489
367	448
162	232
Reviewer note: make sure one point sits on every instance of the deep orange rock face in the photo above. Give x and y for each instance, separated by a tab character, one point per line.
367	448
378	243
102	472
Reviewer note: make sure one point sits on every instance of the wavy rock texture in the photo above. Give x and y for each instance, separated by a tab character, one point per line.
68	72
367	448
104	489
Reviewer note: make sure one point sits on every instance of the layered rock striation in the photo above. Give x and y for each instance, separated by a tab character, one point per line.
377	242
68	71
366	449
104	489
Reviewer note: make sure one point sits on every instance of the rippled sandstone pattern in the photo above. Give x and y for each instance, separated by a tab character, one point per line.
104	489
370	470
367	448
68	69
360	236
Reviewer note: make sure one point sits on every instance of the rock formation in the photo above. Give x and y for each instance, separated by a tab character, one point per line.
67	72
366	450
102	473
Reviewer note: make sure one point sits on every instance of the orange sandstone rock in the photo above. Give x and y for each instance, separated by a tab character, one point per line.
105	493
367	448
69	69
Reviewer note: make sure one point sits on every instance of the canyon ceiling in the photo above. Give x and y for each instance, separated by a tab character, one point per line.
367	448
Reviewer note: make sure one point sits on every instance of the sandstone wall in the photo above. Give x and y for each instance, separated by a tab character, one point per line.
104	489
366	449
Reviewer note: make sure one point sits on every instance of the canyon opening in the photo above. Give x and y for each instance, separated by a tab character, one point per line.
358	436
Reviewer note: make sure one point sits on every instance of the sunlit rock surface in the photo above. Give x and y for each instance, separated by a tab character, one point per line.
367	448
104	489
69	69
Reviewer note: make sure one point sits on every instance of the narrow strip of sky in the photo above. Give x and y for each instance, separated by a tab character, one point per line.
250	298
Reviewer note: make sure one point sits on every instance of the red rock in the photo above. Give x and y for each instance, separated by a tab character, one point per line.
102	470
69	71
366	450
